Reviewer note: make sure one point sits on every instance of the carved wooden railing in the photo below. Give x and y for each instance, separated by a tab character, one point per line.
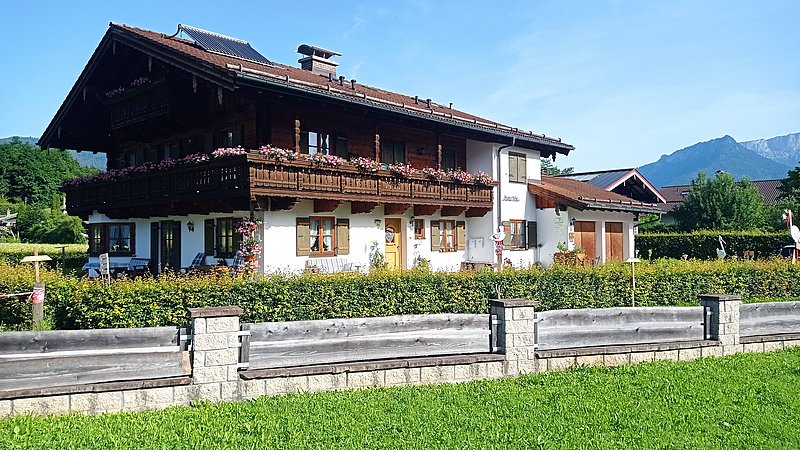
254	175
302	179
139	104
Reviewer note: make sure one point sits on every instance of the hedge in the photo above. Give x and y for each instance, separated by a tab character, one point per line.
75	255
81	303
704	244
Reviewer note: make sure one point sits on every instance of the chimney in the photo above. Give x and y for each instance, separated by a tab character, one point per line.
318	60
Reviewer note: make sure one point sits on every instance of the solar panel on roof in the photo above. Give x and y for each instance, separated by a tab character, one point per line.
224	45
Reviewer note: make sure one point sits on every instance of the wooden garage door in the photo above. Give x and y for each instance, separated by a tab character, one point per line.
585	238
614	241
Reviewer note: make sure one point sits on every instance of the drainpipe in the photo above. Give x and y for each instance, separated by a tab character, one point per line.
500	183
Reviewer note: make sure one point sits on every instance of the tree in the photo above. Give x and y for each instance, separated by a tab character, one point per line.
549	168
31	175
790	186
721	204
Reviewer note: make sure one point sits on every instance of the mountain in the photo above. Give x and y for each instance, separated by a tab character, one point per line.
725	154
86	159
782	149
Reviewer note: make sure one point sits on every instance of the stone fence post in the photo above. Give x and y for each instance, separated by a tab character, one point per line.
215	349
515	333
724	320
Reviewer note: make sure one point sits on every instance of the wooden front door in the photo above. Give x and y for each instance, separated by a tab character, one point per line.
585	239
394	246
170	245
614	241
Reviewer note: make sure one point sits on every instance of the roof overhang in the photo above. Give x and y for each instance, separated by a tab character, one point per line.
592	203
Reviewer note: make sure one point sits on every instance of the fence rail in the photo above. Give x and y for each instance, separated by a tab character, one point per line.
569	328
30	360
302	343
757	319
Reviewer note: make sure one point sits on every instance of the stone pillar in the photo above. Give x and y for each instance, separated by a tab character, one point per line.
723	324
215	349
515	333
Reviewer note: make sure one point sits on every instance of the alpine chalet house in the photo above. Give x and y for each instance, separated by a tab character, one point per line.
202	131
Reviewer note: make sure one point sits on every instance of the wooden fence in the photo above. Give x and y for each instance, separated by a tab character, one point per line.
303	343
46	359
571	328
759	319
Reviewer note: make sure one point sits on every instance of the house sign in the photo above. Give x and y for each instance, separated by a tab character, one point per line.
510	198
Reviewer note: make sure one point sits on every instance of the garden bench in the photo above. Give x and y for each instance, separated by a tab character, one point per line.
332	264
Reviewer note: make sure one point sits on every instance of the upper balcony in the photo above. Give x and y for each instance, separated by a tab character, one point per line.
240	182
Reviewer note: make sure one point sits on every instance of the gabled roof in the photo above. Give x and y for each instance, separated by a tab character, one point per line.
675	195
230	73
582	196
612	179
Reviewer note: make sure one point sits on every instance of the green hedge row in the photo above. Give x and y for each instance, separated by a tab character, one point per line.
73	303
704	244
71	260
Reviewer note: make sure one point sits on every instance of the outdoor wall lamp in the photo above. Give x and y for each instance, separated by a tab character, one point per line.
190	225
572	221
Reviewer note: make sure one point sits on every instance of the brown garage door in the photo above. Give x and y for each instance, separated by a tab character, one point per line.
614	241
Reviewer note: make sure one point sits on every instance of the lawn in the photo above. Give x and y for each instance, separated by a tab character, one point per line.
740	401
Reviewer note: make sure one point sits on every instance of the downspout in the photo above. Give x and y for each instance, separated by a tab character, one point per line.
500	183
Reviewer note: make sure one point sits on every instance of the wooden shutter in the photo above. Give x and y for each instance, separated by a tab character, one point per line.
522	168
303	238
177	229
512	167
461	235
342	236
304	142
509	239
532	238
209	237
435	236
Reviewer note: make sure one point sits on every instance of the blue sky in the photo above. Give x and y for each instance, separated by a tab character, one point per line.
623	81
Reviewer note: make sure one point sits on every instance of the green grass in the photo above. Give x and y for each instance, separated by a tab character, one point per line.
742	401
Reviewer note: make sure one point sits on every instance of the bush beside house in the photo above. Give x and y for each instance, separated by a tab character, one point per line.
704	244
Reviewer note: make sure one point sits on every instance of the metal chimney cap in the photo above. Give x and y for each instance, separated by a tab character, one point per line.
311	50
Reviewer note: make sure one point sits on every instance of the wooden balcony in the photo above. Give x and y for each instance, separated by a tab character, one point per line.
346	183
139	104
237	182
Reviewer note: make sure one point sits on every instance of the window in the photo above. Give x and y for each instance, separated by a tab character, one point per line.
228	137
448	235
112	238
171	151
517	167
393	152
321	239
322	236
313	142
226	244
419	228
448	158
520	234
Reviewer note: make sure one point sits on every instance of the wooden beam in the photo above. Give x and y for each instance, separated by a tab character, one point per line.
395	209
477	212
425	210
450	211
297	135
362	207
282	203
321	206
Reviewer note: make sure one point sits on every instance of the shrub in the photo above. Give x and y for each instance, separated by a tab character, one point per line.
75	255
73	303
704	244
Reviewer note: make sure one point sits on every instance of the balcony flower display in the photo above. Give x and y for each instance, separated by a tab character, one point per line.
461	177
278	154
483	178
323	160
433	174
250	245
365	164
402	170
228	151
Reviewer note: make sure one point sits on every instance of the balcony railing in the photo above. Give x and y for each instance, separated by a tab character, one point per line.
139	104
249	177
302	179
